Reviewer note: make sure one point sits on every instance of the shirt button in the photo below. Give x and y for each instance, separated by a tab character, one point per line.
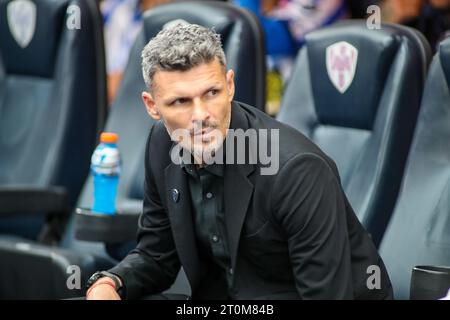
231	271
215	238
209	195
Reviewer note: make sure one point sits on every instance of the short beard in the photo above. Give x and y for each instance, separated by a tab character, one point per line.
202	154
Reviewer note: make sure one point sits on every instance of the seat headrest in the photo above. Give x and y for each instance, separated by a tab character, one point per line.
241	35
196	13
29	35
349	65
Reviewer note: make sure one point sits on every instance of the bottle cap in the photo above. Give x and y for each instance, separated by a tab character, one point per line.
109	137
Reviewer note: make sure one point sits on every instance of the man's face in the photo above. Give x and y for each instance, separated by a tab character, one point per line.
197	100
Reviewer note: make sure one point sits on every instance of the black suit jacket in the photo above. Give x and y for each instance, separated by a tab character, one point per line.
291	235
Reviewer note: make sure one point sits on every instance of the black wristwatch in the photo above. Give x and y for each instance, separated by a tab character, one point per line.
100	274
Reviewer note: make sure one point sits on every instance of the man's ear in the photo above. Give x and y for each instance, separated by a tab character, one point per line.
150	105
230	84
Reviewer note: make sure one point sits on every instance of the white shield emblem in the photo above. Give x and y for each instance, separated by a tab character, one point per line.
341	59
22	21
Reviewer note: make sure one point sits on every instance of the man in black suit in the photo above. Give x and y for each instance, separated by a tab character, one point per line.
244	223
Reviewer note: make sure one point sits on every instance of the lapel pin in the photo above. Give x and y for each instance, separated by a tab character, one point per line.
175	195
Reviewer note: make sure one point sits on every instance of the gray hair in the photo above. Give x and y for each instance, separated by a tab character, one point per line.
180	48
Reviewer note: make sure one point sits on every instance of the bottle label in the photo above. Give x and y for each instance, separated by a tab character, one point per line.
105	160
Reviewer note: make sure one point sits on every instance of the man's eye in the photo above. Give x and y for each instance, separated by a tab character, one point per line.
212	92
179	101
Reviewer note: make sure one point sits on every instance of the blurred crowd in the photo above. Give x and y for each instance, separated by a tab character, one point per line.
285	24
122	21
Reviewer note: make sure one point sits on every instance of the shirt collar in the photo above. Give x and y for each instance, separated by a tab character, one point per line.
193	170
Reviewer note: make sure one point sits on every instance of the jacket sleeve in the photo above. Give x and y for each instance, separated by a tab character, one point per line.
153	265
309	204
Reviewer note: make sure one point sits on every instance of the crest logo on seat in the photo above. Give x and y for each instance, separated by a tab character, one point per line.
21	15
341	61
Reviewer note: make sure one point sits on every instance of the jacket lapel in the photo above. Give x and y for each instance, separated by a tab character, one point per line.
237	192
238	188
180	214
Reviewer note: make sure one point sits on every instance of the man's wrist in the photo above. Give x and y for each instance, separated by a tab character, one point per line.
105	277
102	281
105	280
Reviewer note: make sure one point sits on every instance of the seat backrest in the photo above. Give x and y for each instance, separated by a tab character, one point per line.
52	92
356	93
419	231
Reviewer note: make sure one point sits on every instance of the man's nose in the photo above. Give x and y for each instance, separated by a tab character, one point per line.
200	111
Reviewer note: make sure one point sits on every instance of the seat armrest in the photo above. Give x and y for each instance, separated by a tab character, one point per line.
429	282
30	199
107	228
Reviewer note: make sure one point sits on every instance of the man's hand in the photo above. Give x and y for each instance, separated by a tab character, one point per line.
103	289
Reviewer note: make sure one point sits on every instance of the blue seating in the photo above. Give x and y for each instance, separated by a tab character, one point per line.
356	93
52	107
419	231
